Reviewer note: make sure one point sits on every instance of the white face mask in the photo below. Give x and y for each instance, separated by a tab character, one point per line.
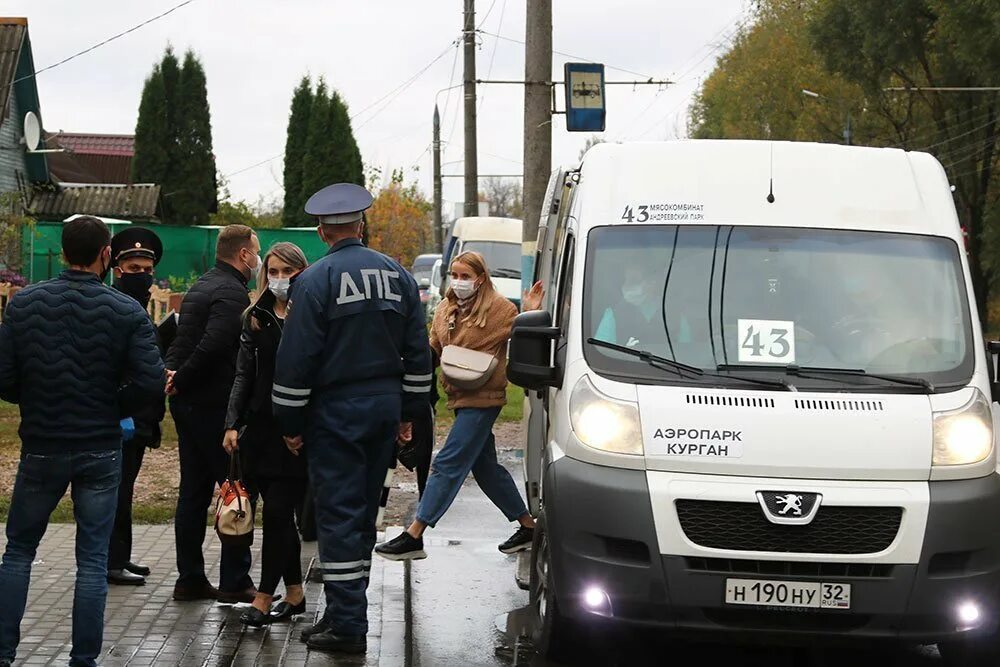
634	294
279	288
255	270
464	289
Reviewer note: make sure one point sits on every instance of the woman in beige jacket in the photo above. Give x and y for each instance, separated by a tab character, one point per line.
474	316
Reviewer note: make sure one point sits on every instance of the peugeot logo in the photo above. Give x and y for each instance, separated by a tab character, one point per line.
789	507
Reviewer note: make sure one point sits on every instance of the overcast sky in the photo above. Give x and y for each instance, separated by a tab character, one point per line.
255	52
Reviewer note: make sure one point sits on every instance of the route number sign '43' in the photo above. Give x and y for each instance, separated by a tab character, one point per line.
766	342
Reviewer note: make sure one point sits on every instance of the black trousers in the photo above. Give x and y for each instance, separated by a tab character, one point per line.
423	443
120	548
204	463
280	551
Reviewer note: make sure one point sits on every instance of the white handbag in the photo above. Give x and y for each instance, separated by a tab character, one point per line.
465	369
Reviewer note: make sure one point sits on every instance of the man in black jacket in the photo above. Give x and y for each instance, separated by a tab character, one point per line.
135	252
201	366
65	347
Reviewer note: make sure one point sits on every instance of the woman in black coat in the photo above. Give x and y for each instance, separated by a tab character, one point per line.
279	474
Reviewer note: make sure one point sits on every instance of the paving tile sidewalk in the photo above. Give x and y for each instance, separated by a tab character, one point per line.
144	626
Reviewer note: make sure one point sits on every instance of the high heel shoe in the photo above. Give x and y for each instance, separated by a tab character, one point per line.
255	618
284	611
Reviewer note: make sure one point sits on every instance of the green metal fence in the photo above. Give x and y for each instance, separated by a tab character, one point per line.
187	251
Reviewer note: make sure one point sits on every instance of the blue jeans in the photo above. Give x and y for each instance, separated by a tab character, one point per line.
40	484
470	447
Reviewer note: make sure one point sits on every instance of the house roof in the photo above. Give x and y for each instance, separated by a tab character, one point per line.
12	32
130	202
17	77
122	145
91	158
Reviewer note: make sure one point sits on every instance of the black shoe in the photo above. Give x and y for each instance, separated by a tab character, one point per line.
327	641
240	597
125	578
519	541
141	570
319	628
404	547
284	611
205	591
255	618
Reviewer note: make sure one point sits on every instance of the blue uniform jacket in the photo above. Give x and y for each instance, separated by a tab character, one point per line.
355	327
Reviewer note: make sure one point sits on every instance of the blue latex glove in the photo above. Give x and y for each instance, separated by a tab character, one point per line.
128	429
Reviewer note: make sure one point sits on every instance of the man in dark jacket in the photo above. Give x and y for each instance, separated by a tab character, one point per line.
135	252
66	348
201	366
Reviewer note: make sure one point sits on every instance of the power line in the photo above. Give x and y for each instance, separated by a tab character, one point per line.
711	40
488	12
397	90
992	121
924	136
451	84
489	73
100	44
570	55
733	27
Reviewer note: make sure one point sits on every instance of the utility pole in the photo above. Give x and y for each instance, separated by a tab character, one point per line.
436	149
471	154
537	126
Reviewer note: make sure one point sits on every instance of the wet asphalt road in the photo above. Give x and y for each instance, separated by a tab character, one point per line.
462	592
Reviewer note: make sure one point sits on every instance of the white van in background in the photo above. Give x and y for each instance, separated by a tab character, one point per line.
762	404
496	239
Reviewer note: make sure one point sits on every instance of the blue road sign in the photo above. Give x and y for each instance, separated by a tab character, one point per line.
585	110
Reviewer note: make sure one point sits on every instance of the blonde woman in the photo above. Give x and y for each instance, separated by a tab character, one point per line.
473	316
278	474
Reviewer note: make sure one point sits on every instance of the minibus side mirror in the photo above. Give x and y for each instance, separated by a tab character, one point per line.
994	349
530	359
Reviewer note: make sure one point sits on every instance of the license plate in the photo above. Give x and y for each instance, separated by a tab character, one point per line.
801	594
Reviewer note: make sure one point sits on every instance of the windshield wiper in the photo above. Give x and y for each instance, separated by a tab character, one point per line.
817	371
505	273
807	371
665	364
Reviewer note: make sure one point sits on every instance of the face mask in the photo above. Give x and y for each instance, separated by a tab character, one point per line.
136	285
279	288
634	294
106	268
255	270
464	289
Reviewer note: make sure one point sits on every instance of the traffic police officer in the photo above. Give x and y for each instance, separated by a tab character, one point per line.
135	252
352	371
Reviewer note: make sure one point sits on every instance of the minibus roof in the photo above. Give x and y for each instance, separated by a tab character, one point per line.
488	229
728	182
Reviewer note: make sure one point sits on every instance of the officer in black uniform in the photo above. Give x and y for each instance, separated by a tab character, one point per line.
135	252
353	369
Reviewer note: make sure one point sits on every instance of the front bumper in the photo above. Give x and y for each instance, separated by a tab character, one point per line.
601	529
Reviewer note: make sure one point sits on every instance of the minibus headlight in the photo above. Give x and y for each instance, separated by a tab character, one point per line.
601	423
965	435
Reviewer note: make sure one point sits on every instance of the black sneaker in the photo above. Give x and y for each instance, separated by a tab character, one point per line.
519	541
404	547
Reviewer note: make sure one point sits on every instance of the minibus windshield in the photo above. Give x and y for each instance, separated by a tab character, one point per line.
765	300
502	258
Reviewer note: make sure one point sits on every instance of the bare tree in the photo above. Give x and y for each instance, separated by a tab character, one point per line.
504	197
592	141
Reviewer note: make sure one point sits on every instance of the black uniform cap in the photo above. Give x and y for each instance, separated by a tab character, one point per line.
136	242
339	204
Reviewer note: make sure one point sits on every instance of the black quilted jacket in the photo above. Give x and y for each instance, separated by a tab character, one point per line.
208	337
77	356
